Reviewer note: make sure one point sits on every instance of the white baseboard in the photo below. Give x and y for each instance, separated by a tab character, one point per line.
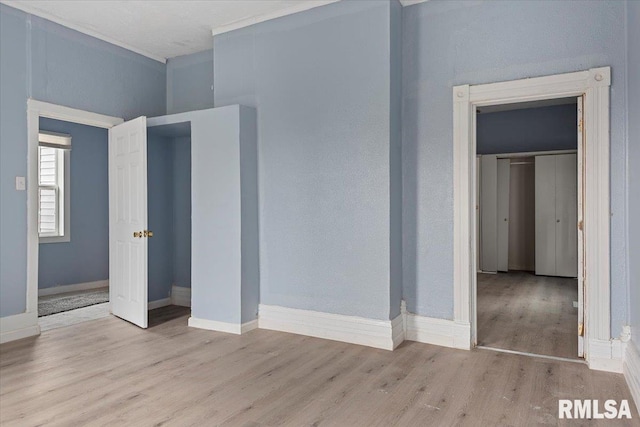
606	355
181	295
429	330
632	371
231	328
158	303
249	326
19	326
73	288
384	334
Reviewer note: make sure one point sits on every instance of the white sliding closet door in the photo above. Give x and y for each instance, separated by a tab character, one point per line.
566	216
504	178
488	213
556	215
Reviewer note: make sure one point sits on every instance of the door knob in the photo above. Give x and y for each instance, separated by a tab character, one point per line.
148	233
137	234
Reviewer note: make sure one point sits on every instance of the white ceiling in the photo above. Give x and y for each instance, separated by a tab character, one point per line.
163	29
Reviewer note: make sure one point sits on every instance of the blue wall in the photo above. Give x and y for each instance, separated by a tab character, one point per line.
13	161
453	42
190	82
86	257
320	81
160	216
52	63
169	213
531	129
182	211
633	113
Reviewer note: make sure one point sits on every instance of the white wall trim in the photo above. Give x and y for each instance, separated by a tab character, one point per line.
151	305
230	328
249	326
181	295
607	355
19	326
35	110
428	330
594	85
631	370
68	114
337	327
55	290
299	7
406	3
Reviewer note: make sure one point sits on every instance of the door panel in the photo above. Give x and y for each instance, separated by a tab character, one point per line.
566	216
488	213
545	215
128	215
504	178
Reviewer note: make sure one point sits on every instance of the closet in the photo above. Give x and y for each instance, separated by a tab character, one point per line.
183	210
528	212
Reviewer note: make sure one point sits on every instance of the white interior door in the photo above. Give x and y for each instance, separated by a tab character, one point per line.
580	248
128	221
488	213
504	178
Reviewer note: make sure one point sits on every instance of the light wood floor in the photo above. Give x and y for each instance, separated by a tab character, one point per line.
109	372
524	312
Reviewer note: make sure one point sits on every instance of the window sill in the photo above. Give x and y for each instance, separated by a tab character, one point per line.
55	239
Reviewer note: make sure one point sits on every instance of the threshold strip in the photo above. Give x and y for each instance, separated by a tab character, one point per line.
541	356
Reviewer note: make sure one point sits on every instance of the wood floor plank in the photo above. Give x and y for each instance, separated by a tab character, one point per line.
524	312
108	372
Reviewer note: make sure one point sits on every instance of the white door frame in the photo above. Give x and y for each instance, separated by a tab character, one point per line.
594	85
35	110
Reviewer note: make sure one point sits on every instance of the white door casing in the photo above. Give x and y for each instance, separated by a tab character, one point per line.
128	215
594	86
580	229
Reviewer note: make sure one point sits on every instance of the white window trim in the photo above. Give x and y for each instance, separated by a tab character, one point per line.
65	206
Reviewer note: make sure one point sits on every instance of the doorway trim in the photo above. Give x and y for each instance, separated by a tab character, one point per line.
601	352
35	110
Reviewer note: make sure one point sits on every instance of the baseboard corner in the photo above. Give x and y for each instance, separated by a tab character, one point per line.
631	371
19	326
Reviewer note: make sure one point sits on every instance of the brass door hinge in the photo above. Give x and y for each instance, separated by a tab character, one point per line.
581	329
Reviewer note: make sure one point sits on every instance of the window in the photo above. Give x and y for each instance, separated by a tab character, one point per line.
53	183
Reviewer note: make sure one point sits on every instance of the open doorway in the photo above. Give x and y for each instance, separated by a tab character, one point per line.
63	123
169	220
529	298
73	225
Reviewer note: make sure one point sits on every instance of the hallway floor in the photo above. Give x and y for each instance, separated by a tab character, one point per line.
524	312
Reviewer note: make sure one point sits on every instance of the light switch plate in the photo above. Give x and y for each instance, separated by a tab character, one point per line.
21	183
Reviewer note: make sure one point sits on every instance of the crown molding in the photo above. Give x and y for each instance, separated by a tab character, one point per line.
27	8
405	3
301	7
